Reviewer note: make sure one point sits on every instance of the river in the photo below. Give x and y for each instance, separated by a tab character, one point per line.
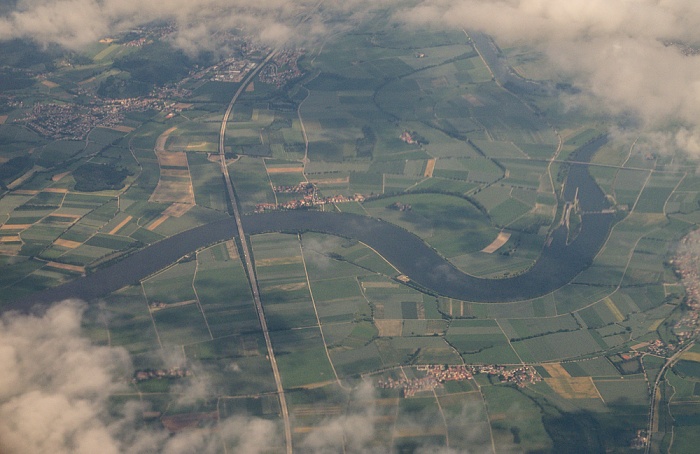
558	264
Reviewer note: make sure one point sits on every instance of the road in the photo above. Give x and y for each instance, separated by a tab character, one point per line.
247	255
652	405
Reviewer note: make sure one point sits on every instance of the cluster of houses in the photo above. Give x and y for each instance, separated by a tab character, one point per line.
520	376
436	375
406	137
413	138
282	68
400	206
686	265
640	440
659	347
66	121
310	198
138	42
157	374
156	305
308	189
409	386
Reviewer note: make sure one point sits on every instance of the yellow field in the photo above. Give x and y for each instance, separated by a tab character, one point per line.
175	173
331	180
640	345
174	192
556	370
315	410
691	356
177	209
87	81
379	285
160	142
500	240
279	261
318	384
3	119
430	168
15	226
655	324
456	308
172	159
48	83
231	249
10	239
155	224
63	266
574	387
421	311
616	312
119	226
200	146
288	287
285	170
388	328
56	190
657	402
121	128
59	176
67	243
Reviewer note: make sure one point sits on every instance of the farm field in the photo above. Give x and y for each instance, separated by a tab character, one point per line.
412	127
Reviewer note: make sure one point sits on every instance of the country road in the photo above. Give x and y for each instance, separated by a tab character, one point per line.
247	254
655	389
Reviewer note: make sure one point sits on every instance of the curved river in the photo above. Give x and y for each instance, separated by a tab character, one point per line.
558	264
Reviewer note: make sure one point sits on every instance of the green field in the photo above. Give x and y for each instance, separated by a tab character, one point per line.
413	125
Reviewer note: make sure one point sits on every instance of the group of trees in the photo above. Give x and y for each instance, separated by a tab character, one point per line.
98	177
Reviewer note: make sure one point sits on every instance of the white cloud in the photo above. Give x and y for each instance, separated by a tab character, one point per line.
615	50
352	432
76	23
54	391
55	384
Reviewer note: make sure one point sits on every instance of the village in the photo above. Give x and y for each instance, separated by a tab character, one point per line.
58	121
685	264
309	198
69	121
437	375
157	374
283	68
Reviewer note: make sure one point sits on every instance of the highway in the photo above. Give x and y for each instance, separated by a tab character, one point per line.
247	255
